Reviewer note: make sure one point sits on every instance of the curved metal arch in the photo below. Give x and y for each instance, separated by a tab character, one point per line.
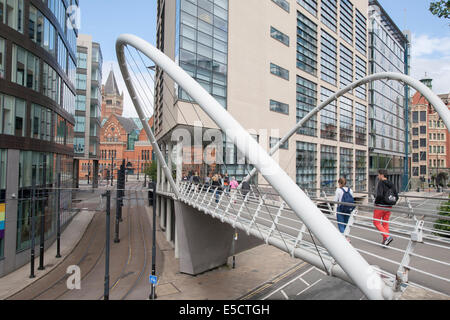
440	107
357	268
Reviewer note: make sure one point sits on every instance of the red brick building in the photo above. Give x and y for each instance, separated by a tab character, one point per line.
122	139
430	140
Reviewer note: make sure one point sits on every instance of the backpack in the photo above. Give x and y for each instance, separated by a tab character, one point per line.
347	198
389	196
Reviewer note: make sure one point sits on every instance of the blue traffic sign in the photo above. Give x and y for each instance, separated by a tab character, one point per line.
153	279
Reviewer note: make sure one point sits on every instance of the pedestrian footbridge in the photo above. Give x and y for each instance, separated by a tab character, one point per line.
419	255
282	214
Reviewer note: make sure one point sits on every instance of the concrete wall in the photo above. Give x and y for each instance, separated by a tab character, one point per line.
205	243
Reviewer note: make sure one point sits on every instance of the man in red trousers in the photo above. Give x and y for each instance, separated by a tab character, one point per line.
386	197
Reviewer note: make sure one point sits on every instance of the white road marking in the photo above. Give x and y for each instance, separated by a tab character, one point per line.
309	287
284	294
285	285
304	282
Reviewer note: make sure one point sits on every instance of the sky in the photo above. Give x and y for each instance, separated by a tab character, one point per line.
105	20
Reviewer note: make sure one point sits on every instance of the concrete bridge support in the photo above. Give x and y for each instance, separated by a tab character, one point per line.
205	243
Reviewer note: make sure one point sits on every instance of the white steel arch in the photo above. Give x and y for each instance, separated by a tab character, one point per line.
434	100
357	268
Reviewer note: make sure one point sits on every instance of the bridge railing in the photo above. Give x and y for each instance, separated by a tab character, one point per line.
419	255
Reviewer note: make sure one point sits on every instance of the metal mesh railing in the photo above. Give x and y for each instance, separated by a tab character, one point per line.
419	255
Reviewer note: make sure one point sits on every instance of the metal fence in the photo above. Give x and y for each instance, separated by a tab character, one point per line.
419	255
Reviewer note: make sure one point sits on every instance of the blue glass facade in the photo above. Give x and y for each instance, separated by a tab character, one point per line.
201	47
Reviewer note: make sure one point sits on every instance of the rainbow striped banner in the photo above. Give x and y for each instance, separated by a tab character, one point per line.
2	220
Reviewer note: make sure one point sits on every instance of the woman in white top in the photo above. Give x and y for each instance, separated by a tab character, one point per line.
342	218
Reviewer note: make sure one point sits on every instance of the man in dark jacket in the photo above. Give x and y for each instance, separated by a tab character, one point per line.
381	214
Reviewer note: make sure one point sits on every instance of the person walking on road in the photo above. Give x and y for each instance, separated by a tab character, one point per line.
386	196
343	212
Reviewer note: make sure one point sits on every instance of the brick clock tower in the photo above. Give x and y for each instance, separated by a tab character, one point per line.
112	102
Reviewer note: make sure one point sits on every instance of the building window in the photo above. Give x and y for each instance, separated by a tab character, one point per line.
423	116
80	122
78	145
274	141
82	60
415	171
346	165
25	68
306	172
361	32
361	121
347	21
279	107
283	4
12	116
415	144
415	131
328	65
329	14
423	143
423	130
328	116
202	45
415	117
415	157
423	170
2	57
80	103
41	120
423	156
306	102
360	167
280	36
361	72
11	14
81	82
51	83
309	5
306	44
328	167
346	119
279	71
346	66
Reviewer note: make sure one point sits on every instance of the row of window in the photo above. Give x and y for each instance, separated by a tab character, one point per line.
202	31
108	154
306	171
307	55
44	124
44	33
146	155
26	72
437	136
438	124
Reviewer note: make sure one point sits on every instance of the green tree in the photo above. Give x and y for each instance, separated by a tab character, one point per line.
151	170
441	8
443	224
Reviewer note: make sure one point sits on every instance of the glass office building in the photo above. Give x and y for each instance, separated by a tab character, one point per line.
37	108
88	109
270	73
388	51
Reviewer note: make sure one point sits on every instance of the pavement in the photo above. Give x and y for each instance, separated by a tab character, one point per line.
260	267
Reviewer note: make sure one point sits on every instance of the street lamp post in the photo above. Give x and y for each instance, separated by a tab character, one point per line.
112	170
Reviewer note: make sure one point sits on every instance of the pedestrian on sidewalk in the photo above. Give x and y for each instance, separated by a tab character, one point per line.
386	197
343	212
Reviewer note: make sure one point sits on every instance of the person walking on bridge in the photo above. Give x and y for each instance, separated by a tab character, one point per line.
343	212
386	196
